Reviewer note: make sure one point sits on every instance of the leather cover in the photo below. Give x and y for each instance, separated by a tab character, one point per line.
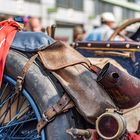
80	83
90	99
58	55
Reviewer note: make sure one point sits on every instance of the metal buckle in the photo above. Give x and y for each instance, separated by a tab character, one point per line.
46	119
19	78
19	81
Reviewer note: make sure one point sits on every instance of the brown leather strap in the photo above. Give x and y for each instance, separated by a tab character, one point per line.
95	69
63	105
21	76
59	55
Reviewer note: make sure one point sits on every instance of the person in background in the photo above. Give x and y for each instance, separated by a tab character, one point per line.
30	24
78	33
35	24
27	26
105	30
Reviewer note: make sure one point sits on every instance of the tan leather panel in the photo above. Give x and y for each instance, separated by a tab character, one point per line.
60	55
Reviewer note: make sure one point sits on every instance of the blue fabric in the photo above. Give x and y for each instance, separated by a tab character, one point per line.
133	67
31	41
101	33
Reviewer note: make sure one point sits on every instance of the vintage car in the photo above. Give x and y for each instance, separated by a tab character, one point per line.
44	78
123	52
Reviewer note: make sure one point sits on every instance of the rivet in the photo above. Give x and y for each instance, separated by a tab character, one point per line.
127	45
76	44
107	45
73	43
89	44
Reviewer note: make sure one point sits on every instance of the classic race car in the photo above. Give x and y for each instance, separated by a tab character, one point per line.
44	77
126	53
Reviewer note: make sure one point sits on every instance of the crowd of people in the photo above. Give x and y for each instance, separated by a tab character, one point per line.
103	32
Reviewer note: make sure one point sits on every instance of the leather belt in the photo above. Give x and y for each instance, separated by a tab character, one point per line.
63	105
21	76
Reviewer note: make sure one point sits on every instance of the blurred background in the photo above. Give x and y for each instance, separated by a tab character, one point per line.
66	14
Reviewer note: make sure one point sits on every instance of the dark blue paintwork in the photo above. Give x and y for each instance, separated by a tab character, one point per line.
132	66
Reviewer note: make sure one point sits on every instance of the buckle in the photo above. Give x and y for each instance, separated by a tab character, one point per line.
19	78
46	118
19	82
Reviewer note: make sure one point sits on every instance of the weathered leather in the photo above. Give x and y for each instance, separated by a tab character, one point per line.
21	76
79	82
63	105
59	55
101	62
